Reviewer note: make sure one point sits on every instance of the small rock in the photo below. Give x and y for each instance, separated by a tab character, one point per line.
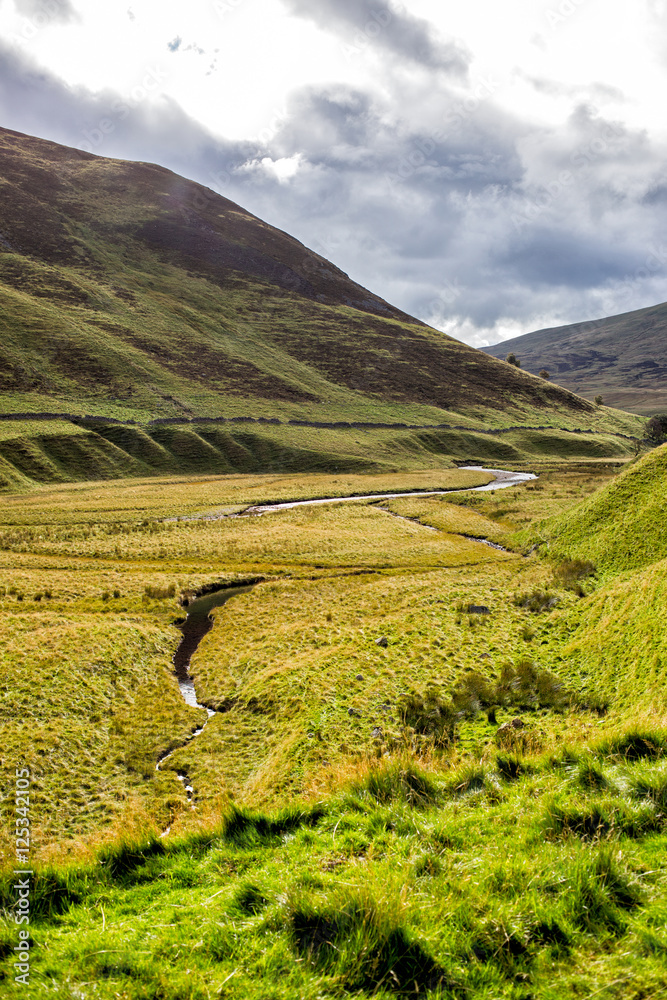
359	677
484	656
376	733
353	712
383	641
478	609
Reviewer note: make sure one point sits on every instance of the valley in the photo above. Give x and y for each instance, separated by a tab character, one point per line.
352	783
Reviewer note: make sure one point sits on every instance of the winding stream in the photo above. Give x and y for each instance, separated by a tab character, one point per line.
199	621
194	627
502	480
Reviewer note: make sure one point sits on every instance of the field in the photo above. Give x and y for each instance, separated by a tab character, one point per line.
359	825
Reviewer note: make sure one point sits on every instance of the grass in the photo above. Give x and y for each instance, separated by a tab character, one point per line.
337	845
622	527
370	893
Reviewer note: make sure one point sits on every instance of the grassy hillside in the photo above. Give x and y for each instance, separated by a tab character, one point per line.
622	358
621	527
34	452
129	292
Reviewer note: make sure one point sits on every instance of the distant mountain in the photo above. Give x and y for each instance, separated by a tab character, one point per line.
622	358
127	291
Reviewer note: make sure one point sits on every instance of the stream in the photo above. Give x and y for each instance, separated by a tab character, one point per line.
194	627
502	480
199	621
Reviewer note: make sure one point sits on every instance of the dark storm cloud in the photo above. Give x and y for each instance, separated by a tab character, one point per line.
42	11
389	26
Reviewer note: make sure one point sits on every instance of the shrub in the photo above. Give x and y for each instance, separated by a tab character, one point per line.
544	374
570	573
512	359
656	428
537	600
526	686
428	714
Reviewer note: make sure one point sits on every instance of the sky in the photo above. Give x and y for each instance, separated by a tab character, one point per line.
491	168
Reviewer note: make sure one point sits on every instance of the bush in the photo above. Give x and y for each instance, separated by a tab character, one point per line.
570	573
526	686
512	359
536	601
656	428
428	714
544	374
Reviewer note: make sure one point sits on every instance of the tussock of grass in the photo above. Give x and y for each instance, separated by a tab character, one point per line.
611	817
396	781
634	745
364	947
245	828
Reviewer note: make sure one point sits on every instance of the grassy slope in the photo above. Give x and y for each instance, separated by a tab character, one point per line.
530	871
622	527
130	292
623	358
50	451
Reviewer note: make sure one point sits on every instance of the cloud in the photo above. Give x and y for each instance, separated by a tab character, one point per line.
362	22
175	44
475	220
61	11
141	125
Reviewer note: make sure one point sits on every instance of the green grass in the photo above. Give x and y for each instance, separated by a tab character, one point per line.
370	893
343	842
622	527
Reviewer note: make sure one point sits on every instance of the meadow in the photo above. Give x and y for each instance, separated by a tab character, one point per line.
360	825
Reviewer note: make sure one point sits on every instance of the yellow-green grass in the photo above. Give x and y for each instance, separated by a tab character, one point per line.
274	643
623	526
71	453
183	496
532	869
620	646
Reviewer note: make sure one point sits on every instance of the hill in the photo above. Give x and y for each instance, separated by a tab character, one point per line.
132	294
622	358
621	527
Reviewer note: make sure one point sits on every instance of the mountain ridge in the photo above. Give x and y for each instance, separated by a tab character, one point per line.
623	358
